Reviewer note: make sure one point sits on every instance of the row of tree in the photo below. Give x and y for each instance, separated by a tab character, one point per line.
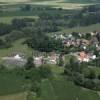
81	75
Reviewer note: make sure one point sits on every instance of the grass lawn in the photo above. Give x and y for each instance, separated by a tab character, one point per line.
61	89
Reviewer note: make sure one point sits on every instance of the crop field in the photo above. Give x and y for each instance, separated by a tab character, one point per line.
60	89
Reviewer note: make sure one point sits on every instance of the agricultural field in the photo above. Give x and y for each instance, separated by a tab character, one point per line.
14	86
53	3
10	83
17	96
21	0
61	4
61	89
14	0
10	18
58	88
82	1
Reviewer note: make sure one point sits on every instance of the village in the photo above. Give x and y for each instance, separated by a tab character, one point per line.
84	46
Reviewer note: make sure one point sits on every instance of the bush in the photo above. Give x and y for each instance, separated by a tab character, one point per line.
91	74
88	83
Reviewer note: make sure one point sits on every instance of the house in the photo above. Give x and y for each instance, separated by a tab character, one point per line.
15	60
38	61
93	33
94	40
83	57
51	58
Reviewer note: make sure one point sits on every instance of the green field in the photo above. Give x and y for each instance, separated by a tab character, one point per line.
10	18
58	88
53	3
18	47
83	1
20	0
61	89
83	29
11	83
12	86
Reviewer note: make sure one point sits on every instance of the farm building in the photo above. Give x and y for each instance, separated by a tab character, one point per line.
16	60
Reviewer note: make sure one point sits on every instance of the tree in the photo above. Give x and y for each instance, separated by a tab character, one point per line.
99	76
43	43
91	74
78	79
18	23
5	29
35	87
14	35
61	61
4	44
89	84
30	63
45	71
67	69
27	7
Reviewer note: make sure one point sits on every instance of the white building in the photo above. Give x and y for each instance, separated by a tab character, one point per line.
15	60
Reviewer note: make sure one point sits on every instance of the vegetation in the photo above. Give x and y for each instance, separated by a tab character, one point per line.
83	1
23	33
62	89
16	96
